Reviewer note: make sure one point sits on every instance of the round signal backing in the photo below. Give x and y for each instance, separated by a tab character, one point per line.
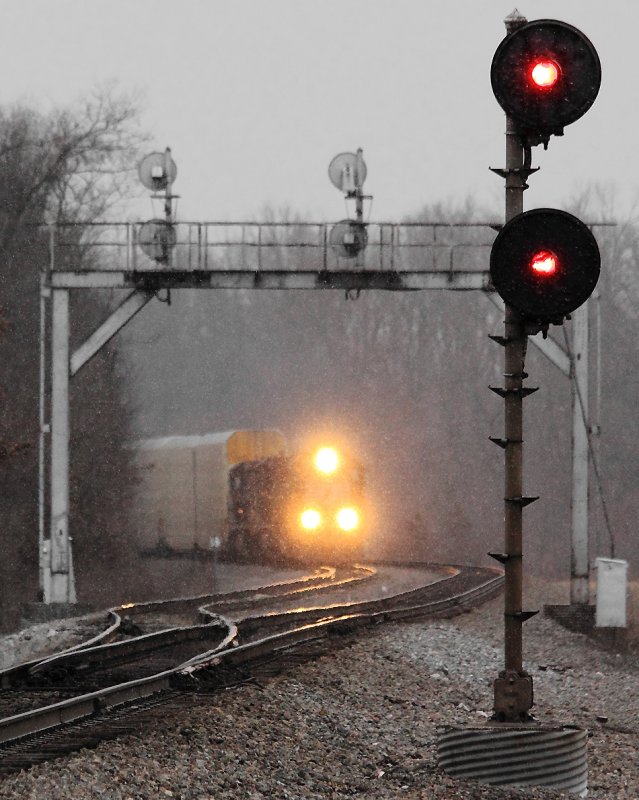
156	171
156	238
545	75
545	236
348	238
347	172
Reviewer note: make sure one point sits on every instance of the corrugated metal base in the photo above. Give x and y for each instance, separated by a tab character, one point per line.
513	755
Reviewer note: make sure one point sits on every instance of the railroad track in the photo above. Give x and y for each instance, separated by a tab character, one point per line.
135	630
123	676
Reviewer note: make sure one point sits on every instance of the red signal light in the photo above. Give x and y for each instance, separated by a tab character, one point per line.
544	263
545	74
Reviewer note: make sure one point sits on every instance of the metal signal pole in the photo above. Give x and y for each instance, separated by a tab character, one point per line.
513	691
168	204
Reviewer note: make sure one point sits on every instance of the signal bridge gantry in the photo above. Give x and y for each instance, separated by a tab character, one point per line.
146	258
269	255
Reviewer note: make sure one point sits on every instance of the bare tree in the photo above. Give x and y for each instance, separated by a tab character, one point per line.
69	165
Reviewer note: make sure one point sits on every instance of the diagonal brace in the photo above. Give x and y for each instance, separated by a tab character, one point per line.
127	309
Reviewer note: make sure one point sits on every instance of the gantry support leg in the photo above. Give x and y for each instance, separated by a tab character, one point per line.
61	588
579	573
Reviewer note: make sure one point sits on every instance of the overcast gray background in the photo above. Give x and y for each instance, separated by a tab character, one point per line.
256	97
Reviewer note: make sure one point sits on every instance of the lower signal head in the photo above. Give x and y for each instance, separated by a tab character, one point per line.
545	263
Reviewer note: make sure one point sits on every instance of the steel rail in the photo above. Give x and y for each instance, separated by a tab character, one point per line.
93	704
322	577
101	654
385	609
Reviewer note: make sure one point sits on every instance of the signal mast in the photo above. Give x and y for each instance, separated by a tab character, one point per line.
347	172
544	264
157	237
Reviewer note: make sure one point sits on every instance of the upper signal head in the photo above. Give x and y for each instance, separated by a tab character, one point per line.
157	170
347	172
545	75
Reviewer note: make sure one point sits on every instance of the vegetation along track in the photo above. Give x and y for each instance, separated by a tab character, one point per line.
104	688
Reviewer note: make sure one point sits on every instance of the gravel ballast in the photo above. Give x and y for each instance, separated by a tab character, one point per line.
362	722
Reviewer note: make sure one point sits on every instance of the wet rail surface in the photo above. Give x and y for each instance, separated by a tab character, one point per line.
100	690
170	629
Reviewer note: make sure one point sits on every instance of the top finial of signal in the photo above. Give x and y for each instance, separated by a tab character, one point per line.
514	20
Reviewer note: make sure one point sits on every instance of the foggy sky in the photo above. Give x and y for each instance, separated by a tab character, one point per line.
256	97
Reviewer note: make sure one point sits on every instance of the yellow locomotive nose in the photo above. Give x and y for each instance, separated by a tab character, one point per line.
326	460
347	519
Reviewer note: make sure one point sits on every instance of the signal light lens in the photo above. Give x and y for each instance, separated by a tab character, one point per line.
311	519
544	263
347	519
326	460
545	74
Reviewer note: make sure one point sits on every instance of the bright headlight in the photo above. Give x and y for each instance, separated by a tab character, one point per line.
347	519
326	460
311	519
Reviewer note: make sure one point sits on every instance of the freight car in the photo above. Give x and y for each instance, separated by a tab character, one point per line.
183	496
242	494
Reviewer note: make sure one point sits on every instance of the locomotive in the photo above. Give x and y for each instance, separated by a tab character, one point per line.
240	494
303	508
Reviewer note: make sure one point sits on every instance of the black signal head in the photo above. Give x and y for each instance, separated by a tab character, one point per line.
545	263
545	75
